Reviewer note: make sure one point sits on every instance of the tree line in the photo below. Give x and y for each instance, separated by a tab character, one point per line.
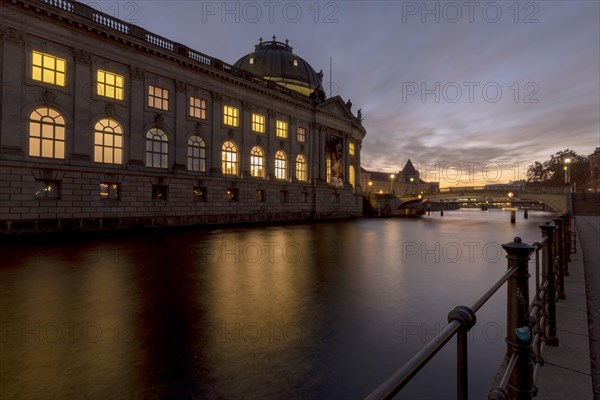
552	172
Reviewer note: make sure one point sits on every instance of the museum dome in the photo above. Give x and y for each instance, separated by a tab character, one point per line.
276	61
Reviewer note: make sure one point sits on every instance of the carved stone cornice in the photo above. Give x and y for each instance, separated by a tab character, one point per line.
137	73
180	86
110	110
14	36
159	120
216	97
49	97
82	56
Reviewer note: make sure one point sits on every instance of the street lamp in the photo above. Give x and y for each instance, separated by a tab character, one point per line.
392	183
567	171
412	186
370	184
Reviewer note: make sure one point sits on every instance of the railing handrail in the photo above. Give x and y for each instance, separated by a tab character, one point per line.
525	343
402	376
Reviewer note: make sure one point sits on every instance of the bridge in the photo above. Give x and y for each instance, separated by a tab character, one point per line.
557	198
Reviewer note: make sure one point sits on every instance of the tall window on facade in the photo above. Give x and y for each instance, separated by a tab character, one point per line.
301	135
108	142
351	175
229	158
328	170
46	133
48	68
231	116
47	190
351	148
258	123
197	108
109	191
256	162
281	129
196	154
158	98
280	165
109	85
157	148
301	174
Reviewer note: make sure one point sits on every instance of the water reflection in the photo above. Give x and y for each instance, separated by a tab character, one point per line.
295	311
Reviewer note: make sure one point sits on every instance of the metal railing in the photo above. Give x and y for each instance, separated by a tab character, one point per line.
531	326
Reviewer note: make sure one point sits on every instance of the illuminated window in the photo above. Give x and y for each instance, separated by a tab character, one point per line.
251	60
229	158
328	170
258	123
301	168
48	69
197	108
108	142
301	135
261	195
46	133
196	154
157	148
200	193
233	194
351	148
231	116
282	129
160	192
351	175
280	165
109	191
256	162
110	85
158	98
47	190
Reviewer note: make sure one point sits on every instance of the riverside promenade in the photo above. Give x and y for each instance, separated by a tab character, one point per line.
568	372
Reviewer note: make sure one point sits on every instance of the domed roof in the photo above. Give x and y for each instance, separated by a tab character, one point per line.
276	62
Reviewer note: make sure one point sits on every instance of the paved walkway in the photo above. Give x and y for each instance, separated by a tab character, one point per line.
567	373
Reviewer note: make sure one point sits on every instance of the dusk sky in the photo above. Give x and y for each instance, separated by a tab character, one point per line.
471	92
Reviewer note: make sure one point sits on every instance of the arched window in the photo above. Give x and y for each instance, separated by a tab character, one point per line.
108	141
351	175
280	165
196	154
46	133
256	162
229	158
301	168
157	148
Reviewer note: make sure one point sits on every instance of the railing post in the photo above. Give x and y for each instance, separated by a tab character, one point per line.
548	274
518	337
467	320
567	242
559	256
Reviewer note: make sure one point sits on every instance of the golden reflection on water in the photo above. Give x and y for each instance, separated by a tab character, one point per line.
295	311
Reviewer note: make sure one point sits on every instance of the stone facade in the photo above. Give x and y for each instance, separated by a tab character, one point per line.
63	191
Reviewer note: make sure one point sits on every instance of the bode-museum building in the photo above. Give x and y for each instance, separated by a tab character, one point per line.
104	124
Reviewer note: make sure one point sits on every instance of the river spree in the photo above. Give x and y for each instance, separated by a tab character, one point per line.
297	311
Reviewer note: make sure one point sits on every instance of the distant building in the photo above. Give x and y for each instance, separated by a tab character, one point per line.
105	124
406	182
595	170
